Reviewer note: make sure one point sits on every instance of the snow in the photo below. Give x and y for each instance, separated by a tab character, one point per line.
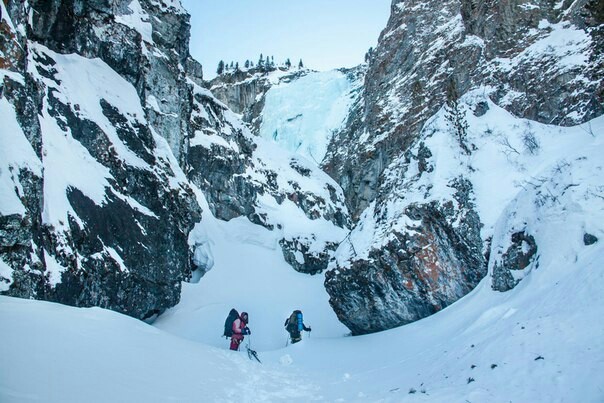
15	153
4	17
53	269
500	167
302	115
136	205
137	19
514	346
201	244
117	258
178	180
94	355
208	139
543	341
249	274
81	83
286	216
18	77
560	48
489	346
61	153
285	176
528	6
152	102
6	276
500	172
271	154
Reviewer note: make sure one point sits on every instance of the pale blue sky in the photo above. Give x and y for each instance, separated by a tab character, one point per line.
325	34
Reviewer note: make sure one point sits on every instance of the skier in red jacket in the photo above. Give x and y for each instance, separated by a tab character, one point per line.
239	330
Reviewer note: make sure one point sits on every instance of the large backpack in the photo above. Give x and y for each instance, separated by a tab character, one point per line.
293	324
228	323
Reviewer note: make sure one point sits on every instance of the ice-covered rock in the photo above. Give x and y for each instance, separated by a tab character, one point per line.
97	208
538	60
108	136
246	175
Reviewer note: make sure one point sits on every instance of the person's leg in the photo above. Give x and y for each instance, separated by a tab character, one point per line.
235	342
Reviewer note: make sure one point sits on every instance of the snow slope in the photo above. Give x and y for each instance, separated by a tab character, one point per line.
509	155
249	274
541	342
53	353
15	153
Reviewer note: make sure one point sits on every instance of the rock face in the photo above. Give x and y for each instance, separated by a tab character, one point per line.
589	239
257	168
109	147
111	142
537	59
517	258
433	49
419	271
101	210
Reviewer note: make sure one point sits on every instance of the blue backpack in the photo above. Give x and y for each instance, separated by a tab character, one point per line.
295	322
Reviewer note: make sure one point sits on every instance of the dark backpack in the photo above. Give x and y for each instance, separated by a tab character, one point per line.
291	323
228	323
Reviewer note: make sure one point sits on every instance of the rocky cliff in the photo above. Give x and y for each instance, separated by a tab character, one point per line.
245	175
110	148
539	60
100	210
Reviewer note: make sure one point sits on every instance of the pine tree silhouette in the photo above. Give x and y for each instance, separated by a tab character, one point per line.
220	68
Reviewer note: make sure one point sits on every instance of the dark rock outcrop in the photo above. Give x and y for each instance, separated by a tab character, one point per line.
235	171
589	239
418	268
297	253
118	134
521	253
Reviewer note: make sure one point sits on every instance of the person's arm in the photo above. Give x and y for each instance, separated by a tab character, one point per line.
307	329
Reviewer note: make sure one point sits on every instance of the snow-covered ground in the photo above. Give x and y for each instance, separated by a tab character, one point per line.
302	115
541	342
249	274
